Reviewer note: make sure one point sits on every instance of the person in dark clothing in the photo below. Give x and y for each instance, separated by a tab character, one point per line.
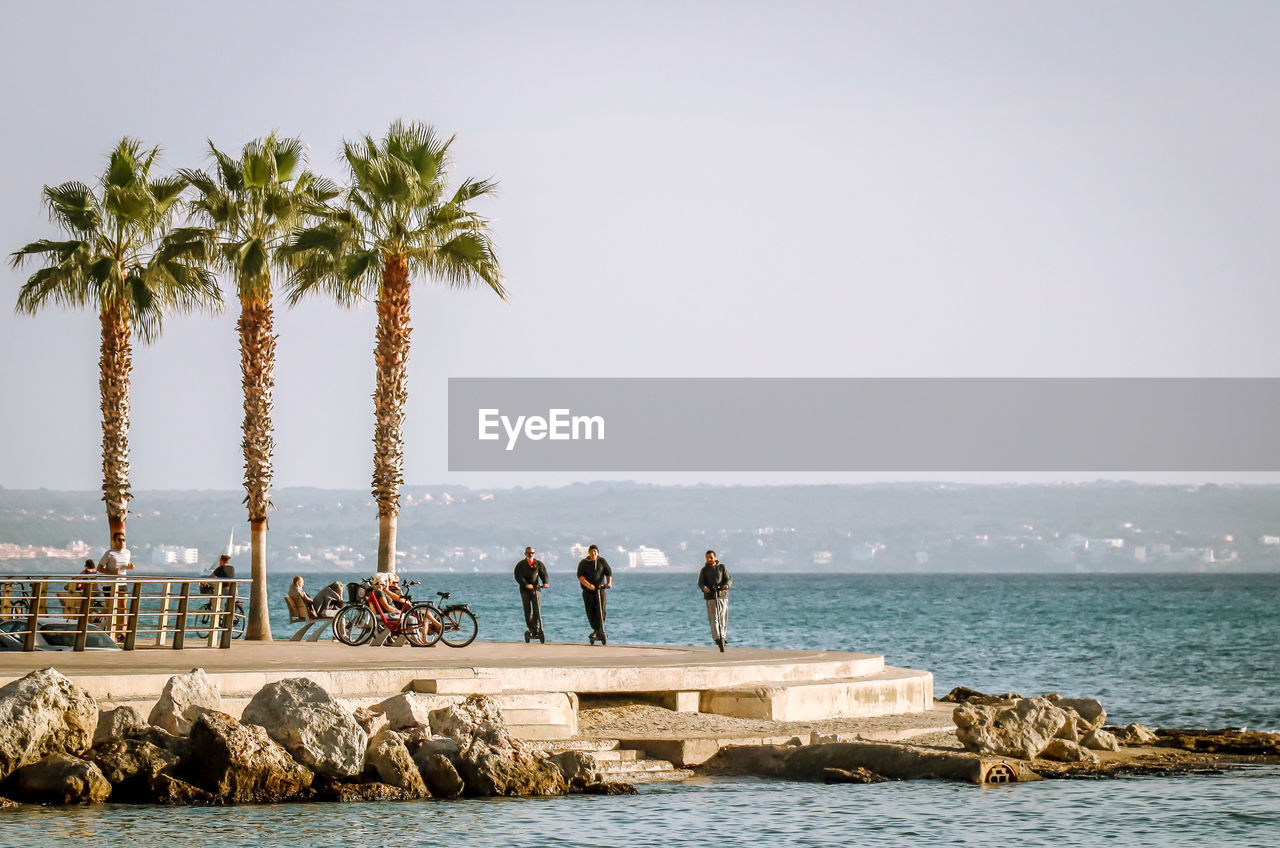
531	576
714	581
328	600
224	569
595	575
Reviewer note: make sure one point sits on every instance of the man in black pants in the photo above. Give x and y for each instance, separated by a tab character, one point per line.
595	575
531	575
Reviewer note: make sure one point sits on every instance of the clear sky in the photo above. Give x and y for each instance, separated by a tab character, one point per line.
687	189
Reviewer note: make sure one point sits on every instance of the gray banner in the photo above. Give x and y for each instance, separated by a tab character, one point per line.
903	425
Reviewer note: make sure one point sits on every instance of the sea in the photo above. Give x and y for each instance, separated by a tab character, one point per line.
1166	650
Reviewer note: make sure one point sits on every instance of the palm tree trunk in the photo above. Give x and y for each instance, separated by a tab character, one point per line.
391	355
115	366
257	370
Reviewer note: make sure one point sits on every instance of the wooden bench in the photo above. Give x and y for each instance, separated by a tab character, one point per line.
298	614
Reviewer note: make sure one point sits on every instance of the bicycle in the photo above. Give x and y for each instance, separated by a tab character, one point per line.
456	623
202	620
356	622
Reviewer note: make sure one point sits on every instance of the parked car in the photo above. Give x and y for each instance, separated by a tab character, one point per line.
54	634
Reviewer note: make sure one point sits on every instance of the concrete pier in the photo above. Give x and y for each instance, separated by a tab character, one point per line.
536	685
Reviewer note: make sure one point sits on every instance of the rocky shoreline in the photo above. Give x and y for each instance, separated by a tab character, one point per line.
294	742
1004	739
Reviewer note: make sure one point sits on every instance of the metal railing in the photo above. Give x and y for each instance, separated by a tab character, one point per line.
137	612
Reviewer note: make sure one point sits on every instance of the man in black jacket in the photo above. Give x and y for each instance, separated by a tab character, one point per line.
595	575
531	576
714	581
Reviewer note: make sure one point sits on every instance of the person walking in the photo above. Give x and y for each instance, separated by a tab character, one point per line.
714	581
531	577
595	575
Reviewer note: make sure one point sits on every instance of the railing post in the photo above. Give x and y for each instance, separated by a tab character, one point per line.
230	614
162	620
33	618
82	626
180	634
131	626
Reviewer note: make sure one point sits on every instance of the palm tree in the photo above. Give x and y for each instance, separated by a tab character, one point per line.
398	220
121	256
252	204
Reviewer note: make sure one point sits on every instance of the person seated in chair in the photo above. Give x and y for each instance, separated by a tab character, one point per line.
300	596
327	601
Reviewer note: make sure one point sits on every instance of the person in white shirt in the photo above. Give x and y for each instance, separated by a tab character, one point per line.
117	559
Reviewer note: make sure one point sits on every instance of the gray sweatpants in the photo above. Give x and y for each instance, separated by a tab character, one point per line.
718	617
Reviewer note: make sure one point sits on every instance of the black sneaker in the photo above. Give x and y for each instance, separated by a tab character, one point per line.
592	638
602	639
720	642
542	637
527	634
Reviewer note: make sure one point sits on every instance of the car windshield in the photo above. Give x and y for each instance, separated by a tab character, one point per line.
64	636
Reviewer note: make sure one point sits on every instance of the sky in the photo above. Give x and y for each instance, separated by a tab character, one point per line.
701	189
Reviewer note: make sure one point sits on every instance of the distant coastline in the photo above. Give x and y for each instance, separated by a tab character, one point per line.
1104	527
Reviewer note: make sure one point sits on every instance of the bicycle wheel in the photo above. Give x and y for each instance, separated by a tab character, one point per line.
238	622
413	624
459	627
431	617
201	624
354	625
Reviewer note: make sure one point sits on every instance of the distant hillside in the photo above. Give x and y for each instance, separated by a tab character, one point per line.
916	526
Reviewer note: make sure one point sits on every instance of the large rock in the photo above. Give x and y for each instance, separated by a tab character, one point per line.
490	770
407	710
169	790
63	779
179	746
422	739
311	725
118	723
1063	751
1100	740
241	764
341	790
578	768
1137	734
388	757
370	721
1017	728
439	773
477	717
491	761
43	713
131	766
184	697
1089	709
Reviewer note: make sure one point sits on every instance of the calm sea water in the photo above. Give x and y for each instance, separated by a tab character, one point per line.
1171	650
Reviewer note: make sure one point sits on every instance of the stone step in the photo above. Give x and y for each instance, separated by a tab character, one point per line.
637	766
534	715
616	755
591	746
890	692
537	732
672	776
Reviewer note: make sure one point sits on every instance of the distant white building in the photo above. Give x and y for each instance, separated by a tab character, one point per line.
174	555
646	557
